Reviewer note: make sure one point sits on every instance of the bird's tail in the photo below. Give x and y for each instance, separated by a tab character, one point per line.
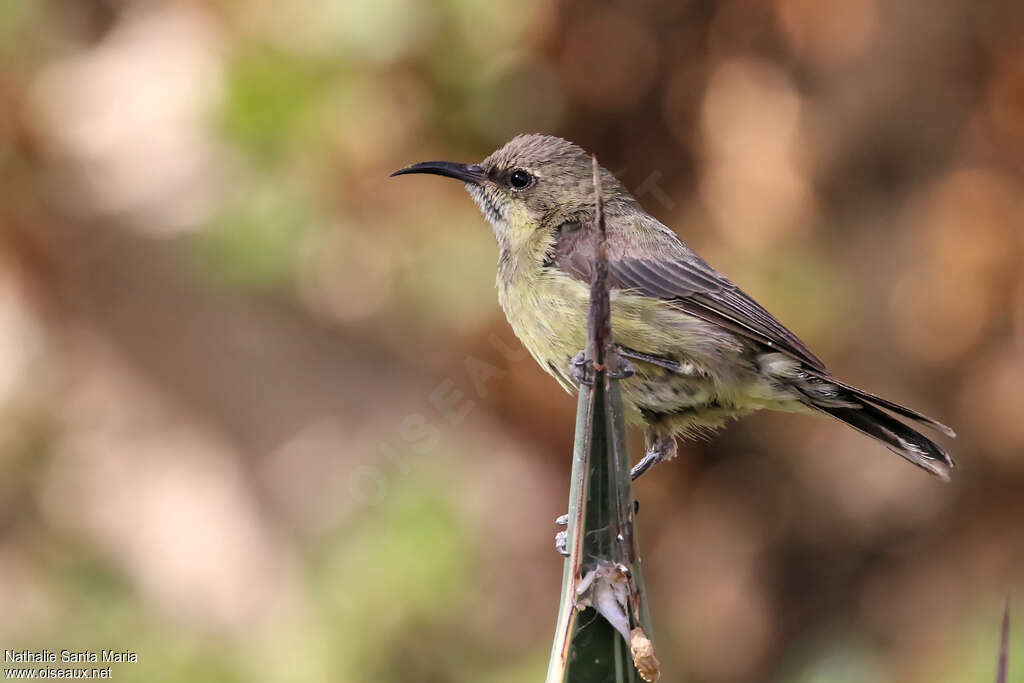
863	411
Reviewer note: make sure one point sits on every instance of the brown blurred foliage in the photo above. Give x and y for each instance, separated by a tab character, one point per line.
257	398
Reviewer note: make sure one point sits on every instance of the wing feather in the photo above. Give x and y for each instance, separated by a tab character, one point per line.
677	275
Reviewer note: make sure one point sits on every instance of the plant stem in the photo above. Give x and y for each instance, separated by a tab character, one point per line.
603	627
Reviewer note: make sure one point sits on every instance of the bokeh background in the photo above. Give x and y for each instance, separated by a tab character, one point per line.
261	418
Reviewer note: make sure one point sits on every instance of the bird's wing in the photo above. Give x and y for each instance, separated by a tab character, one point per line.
650	259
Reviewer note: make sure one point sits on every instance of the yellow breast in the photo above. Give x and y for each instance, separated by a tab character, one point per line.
547	310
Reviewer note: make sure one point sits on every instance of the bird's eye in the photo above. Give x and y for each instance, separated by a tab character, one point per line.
520	179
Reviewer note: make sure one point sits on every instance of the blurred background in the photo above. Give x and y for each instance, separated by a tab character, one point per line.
261	418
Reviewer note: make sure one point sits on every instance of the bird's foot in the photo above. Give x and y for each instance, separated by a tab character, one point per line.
583	371
659	447
625	369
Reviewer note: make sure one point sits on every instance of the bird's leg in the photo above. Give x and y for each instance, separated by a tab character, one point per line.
674	366
666	363
660	446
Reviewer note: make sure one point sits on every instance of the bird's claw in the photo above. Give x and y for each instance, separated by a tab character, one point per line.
562	537
583	371
625	369
562	543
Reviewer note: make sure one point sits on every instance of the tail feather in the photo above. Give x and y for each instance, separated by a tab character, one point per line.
868	397
897	436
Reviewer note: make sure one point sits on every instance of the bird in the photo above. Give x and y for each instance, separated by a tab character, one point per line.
701	352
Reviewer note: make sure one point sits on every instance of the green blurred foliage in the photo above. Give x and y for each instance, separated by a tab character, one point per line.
269	109
101	607
255	242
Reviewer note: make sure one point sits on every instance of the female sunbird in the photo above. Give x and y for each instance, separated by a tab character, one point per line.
701	350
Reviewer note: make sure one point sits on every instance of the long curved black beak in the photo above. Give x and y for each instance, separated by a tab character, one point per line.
467	173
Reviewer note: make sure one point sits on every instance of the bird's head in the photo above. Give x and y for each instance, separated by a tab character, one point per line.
534	182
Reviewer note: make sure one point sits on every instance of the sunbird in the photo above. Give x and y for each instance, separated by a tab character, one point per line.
700	350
